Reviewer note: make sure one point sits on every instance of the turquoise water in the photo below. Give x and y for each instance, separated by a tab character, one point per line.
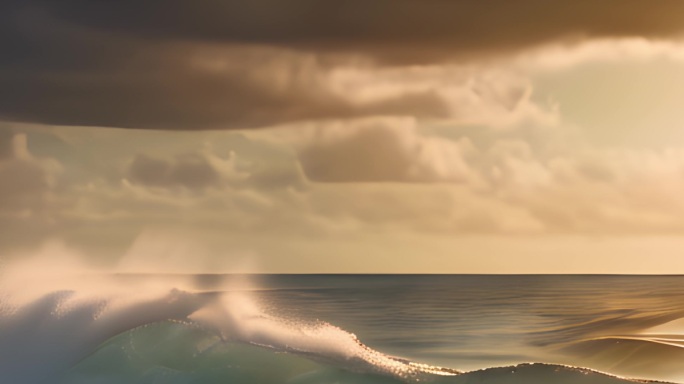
321	329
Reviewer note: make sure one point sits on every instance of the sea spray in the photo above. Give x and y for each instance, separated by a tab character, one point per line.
319	341
82	309
72	325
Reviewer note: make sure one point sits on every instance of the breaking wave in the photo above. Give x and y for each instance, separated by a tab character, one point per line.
62	324
210	337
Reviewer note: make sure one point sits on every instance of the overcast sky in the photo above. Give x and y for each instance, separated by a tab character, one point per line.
358	136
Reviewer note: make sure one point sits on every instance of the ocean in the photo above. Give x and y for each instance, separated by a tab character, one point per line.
348	329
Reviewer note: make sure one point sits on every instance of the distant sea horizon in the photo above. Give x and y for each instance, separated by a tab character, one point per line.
355	328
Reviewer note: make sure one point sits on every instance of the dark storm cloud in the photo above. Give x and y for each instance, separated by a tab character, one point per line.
352	24
128	63
59	72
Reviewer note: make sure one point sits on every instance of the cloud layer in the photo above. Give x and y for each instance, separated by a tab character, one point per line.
228	64
383	150
404	124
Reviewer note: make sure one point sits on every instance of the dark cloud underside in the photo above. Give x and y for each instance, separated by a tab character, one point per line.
352	23
126	63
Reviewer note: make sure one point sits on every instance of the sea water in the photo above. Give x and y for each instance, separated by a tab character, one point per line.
327	329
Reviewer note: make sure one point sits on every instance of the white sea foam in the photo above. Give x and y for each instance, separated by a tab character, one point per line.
54	314
43	339
60	314
236	317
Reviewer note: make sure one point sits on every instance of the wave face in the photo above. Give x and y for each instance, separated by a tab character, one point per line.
150	355
104	328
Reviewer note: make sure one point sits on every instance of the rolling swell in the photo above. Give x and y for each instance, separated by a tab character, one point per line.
198	338
642	355
53	336
134	329
175	353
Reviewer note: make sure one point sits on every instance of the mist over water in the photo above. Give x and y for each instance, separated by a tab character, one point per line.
89	326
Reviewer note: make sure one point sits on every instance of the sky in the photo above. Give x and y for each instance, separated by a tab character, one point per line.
383	136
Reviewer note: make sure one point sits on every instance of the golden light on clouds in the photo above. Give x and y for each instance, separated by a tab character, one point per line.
466	147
